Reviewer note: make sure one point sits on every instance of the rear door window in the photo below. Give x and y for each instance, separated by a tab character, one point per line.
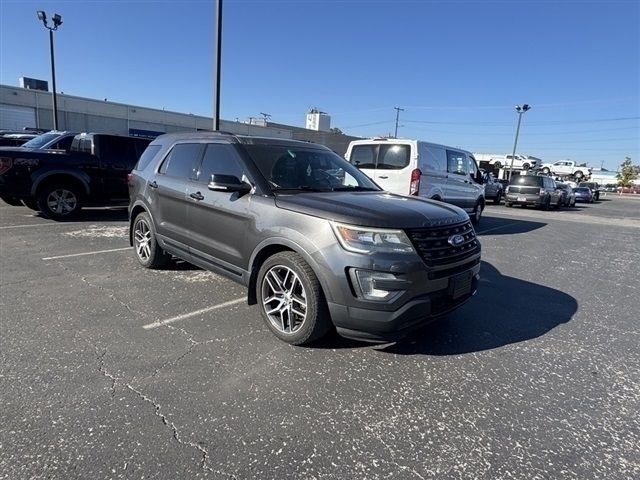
393	157
147	156
182	161
364	156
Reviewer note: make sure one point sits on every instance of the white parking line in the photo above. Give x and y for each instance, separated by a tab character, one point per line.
160	323
40	225
87	253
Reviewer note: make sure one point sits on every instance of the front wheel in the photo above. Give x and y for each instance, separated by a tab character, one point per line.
497	165
59	202
292	303
148	252
477	213
508	204
546	170
526	166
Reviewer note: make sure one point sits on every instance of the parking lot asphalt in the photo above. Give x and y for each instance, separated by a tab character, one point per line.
111	371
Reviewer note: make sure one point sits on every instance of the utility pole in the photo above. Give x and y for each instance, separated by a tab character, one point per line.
398	110
57	21
265	117
217	62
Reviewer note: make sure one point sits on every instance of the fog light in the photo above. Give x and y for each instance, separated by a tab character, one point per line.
378	286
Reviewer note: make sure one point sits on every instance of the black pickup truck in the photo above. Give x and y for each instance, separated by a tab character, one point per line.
93	172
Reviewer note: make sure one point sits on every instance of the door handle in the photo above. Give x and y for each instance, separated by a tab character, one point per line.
153	184
197	196
383	176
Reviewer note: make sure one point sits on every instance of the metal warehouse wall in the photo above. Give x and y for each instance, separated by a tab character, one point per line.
90	115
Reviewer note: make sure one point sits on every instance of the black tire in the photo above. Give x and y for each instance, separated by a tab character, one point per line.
477	213
546	170
59	201
31	203
13	201
315	322
148	253
526	166
508	204
497	165
578	174
496	200
547	204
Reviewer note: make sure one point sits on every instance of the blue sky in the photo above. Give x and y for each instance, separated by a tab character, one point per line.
456	67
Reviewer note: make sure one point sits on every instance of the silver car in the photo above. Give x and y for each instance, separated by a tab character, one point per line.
318	244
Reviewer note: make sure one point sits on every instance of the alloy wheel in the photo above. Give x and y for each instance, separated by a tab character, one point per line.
142	239
62	201
284	299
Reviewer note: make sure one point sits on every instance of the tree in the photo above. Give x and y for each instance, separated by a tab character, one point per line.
336	130
627	173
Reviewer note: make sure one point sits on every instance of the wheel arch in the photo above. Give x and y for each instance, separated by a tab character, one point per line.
270	247
136	210
62	176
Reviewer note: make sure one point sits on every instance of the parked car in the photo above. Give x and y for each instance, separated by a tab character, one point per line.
58	184
318	244
427	170
15	139
520	162
584	194
534	190
493	189
594	187
568	195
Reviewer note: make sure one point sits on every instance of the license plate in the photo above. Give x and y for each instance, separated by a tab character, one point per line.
461	284
522	199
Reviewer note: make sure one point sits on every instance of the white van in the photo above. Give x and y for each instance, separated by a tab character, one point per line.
413	167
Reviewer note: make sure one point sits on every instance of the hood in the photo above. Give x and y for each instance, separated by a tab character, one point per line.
373	209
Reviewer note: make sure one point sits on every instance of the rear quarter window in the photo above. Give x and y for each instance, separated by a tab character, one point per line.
393	157
145	159
363	156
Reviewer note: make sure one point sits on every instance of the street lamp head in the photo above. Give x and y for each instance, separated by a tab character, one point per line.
57	21
526	107
42	17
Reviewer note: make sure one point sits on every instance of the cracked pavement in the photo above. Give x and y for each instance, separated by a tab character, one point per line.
537	377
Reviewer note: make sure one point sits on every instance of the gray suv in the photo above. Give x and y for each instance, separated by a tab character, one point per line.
318	244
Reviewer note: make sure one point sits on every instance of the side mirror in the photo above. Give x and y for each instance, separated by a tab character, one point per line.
228	183
479	178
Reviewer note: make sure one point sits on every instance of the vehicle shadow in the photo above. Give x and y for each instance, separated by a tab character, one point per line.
505	310
109	214
505	226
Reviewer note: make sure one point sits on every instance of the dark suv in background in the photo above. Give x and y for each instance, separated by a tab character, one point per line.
317	243
534	190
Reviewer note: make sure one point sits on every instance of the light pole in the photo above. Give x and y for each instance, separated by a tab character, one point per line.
217	62
520	109
57	21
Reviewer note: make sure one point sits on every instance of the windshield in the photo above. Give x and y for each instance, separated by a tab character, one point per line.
296	168
41	140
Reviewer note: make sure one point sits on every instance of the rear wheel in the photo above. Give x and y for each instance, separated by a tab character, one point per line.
497	165
59	201
508	204
148	252
546	170
292	303
547	204
498	197
526	166
578	174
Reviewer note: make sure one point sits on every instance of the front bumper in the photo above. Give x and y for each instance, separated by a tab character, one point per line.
385	326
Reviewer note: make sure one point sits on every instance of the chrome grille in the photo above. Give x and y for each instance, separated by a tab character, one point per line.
433	246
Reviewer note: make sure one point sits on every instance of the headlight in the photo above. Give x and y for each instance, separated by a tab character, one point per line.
370	240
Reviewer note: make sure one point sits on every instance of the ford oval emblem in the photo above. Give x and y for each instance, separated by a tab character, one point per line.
456	240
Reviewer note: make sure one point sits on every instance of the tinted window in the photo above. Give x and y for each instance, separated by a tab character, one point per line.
473	167
147	156
219	159
364	156
64	144
292	167
456	162
393	157
182	161
527	180
118	151
40	141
